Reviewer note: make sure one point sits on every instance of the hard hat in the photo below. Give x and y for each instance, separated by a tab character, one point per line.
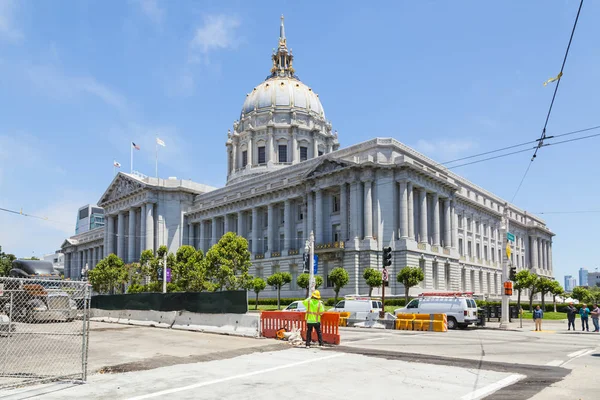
316	294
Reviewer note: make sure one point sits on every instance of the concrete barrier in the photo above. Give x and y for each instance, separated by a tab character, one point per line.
229	324
247	325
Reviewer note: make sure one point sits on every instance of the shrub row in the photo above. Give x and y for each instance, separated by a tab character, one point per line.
328	302
525	305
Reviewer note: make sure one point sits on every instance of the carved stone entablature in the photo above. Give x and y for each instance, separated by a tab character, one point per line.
327	167
131	201
430	184
122	187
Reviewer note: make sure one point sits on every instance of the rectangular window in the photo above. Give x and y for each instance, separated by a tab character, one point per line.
300	240
259	272
244	158
266	218
435	275
477	250
281	216
493	254
265	245
300	213
523	261
460	221
281	241
336	229
460	247
470	249
469	226
320	153
303	153
485	232
282	153
250	222
477	228
485	252
261	155
335	200
499	255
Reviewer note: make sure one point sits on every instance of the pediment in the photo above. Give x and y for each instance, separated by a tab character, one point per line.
328	166
68	242
122	186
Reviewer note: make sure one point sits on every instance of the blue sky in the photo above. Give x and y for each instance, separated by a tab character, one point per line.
79	80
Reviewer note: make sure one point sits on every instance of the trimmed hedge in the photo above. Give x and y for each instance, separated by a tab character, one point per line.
525	305
328	302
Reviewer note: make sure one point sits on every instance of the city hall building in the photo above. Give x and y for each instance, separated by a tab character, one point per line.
288	176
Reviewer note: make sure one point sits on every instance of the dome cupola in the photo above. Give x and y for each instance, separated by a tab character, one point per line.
282	122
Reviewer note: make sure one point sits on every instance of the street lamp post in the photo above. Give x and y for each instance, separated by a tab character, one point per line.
309	248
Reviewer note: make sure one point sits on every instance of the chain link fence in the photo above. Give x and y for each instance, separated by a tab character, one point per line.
44	331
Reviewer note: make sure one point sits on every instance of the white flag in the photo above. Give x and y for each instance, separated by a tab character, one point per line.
117	164
160	142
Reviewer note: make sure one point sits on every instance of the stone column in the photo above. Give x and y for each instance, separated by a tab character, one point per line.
295	156
534	252
250	151
255	230
142	237
241	229
287	225
150	226
423	216
403	210
410	210
110	241
549	255
315	145
543	255
226	227
454	218
131	237
354	210
271	223
233	157
121	235
310	214
202	234
368	209
85	261
191	236
319	217
269	150
447	224
213	235
343	212
436	219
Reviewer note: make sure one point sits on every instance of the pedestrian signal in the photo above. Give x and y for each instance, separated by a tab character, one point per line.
387	256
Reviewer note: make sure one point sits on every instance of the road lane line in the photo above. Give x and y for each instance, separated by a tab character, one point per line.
554	363
577	353
577	356
366	340
494	387
230	378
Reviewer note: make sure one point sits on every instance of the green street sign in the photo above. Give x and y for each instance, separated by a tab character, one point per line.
510	237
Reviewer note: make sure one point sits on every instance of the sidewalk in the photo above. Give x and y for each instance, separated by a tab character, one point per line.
554	326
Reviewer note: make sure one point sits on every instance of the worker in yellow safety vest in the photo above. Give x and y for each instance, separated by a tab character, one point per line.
314	309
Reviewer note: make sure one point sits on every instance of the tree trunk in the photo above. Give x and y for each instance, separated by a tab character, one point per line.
543	300
256	304
370	290
519	299
531	294
336	295
554	301
406	289
307	292
278	296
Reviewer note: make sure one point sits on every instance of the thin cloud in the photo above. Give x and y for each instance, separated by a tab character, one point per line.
152	10
217	32
7	29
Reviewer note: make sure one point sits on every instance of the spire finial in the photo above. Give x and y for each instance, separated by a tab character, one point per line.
282	29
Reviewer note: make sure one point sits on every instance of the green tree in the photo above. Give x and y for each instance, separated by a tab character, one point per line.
33	258
373	278
544	286
227	263
593	296
6	262
580	293
409	277
523	280
258	285
533	289
340	278
278	279
108	275
303	281
189	272
556	290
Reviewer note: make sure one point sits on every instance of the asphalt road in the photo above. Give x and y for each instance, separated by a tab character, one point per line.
145	363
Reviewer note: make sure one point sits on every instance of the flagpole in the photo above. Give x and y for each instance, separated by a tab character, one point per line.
156	147
131	161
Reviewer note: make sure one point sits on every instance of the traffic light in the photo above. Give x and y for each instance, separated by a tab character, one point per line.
513	273
160	273
387	256
306	263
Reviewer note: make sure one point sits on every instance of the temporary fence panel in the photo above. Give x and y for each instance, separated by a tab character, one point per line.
44	331
224	302
422	322
272	321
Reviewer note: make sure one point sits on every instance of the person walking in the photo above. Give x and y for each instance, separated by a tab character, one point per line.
538	314
583	313
571	313
595	315
314	310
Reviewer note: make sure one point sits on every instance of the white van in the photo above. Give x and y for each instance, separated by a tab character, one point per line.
460	311
362	306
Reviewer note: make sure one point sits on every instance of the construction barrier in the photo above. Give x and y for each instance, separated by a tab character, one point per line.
272	321
422	322
344	318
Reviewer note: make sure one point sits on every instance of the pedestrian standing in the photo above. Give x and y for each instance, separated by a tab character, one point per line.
538	314
314	309
595	315
584	312
571	312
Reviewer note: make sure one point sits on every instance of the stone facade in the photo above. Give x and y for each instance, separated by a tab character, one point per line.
356	200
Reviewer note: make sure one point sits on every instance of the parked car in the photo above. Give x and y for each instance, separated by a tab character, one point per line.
295	306
460	310
361	307
5	325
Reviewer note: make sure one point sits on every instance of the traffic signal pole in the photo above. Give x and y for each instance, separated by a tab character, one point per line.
311	260
504	229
